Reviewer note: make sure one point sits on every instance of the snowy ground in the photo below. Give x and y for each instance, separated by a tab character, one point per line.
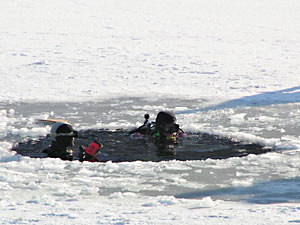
226	67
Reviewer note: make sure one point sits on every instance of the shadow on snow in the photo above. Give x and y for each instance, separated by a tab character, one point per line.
268	192
285	96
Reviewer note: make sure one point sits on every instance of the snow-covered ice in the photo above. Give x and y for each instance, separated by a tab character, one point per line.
225	67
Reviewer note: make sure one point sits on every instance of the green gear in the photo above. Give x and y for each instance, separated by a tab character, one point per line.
157	134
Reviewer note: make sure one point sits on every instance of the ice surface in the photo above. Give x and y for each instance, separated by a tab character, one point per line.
226	67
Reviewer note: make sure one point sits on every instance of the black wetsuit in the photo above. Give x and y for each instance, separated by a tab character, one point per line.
64	153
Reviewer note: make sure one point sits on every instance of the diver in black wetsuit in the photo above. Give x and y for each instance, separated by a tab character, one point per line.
164	131
63	137
145	128
165	125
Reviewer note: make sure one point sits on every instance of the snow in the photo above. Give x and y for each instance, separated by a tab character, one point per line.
225	67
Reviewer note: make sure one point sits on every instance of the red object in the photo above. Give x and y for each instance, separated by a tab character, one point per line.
92	148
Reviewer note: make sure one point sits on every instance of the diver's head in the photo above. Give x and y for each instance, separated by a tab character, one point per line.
146	116
165	123
63	134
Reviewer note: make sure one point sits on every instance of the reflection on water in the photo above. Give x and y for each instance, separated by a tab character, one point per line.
119	147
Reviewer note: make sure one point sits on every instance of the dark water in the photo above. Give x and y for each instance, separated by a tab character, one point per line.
119	147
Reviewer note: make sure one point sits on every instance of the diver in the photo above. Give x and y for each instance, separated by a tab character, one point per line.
164	130
165	125
63	136
147	122
145	128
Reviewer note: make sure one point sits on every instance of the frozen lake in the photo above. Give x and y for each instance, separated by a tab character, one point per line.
228	68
